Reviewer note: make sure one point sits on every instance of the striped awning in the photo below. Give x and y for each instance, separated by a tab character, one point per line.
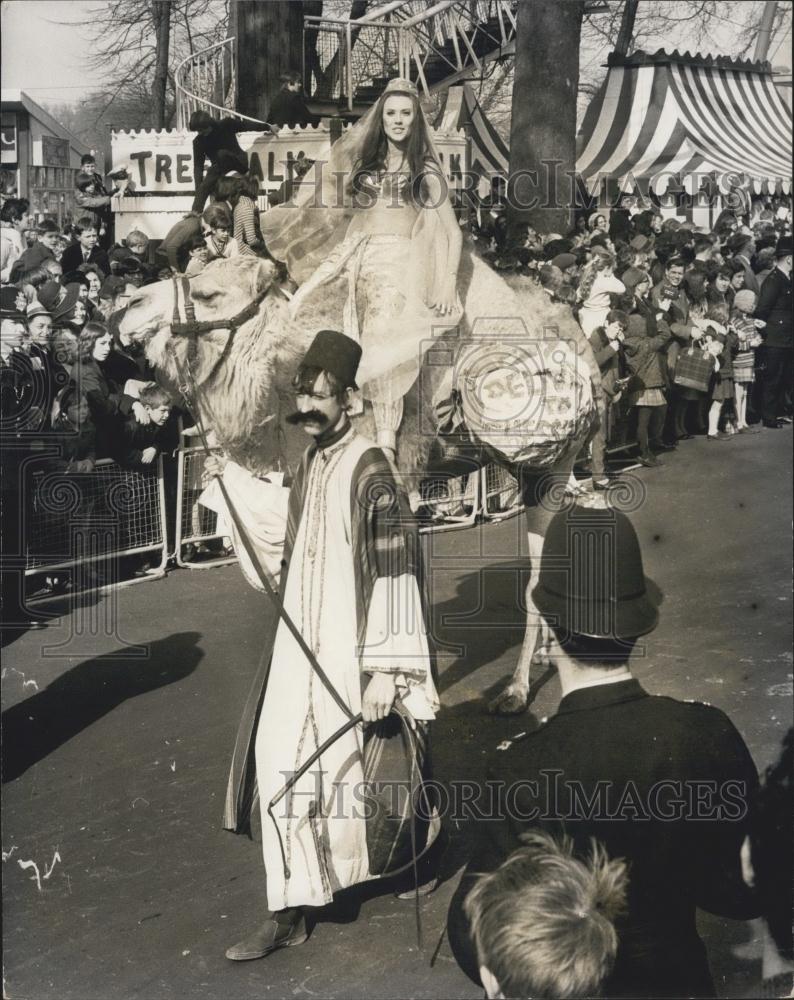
665	115
489	153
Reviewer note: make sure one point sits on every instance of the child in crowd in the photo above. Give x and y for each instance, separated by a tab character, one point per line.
645	346
199	255
140	444
748	338
131	256
607	342
220	244
85	250
74	430
543	922
721	342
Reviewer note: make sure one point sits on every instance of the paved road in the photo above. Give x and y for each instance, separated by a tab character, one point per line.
117	740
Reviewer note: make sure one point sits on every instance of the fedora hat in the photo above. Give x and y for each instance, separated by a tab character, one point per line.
336	353
591	579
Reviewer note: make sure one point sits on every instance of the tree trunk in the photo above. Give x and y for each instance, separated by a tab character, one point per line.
161	14
269	42
543	126
626	27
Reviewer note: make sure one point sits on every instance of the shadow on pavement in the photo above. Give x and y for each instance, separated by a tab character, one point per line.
36	727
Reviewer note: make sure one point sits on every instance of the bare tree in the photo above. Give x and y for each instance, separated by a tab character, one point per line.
161	13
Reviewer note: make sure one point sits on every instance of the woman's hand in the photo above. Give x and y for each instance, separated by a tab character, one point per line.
378	697
141	413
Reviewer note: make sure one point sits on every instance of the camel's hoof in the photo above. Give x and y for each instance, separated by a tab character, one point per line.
510	702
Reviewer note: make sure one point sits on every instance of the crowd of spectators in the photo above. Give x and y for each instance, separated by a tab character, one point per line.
691	327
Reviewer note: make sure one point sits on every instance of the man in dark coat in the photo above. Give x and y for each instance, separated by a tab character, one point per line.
774	307
289	105
663	784
216	141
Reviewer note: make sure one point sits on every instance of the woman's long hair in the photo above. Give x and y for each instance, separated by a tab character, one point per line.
600	262
374	147
88	336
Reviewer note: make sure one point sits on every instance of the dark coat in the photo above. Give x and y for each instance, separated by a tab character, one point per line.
107	403
73	257
650	753
289	108
53	378
774	306
607	359
29	259
222	139
133	438
645	346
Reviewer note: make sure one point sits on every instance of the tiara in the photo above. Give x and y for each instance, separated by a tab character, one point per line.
399	85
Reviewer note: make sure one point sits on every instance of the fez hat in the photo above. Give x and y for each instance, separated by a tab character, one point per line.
336	353
591	577
783	248
8	303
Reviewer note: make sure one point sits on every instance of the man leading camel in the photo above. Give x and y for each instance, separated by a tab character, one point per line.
349	584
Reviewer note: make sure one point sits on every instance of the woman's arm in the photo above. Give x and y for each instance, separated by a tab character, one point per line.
445	292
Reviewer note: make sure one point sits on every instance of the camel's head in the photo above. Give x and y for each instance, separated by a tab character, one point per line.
222	291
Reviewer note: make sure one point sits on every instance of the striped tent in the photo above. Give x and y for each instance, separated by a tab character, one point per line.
662	116
489	154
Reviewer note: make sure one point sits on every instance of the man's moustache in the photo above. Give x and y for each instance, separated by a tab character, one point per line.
311	417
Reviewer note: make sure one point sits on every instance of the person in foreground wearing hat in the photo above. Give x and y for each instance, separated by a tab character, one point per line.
774	307
349	560
663	784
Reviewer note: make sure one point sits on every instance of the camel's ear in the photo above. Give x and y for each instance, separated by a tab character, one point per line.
264	276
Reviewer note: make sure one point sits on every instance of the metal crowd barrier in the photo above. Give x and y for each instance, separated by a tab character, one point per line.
196	526
91	525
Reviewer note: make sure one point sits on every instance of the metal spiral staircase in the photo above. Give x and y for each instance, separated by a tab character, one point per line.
349	61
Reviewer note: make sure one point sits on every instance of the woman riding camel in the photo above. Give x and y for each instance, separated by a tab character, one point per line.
376	247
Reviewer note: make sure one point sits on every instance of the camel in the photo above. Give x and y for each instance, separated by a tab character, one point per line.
245	385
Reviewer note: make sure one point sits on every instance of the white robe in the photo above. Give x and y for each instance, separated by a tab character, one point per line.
328	851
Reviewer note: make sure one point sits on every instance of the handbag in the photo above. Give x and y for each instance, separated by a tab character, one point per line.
694	369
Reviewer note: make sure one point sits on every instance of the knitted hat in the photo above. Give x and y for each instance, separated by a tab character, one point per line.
633	277
745	299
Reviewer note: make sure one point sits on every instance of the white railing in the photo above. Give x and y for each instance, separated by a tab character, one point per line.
434	45
206	81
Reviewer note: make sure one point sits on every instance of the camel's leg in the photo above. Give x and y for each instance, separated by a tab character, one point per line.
513	699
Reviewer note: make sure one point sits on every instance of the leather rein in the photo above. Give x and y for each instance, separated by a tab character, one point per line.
193	328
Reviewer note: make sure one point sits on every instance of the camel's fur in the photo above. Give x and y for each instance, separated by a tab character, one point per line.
246	397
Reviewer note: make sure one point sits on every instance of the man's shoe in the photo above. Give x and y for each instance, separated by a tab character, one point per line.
649	461
719	436
423	890
773	424
269	937
661	446
684	437
750	429
784	420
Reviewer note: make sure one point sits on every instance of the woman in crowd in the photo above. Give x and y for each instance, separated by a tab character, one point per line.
596	287
749	338
645	345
